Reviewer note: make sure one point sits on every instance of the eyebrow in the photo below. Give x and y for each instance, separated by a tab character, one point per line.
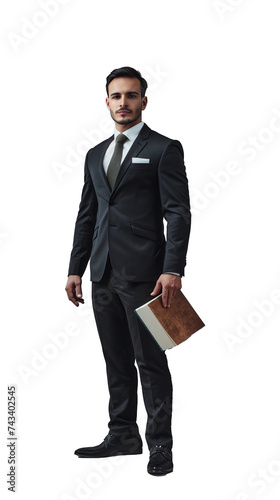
129	92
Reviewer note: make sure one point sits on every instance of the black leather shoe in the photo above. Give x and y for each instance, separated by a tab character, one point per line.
112	446
160	462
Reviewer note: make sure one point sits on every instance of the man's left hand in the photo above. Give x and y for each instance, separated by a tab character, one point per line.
168	284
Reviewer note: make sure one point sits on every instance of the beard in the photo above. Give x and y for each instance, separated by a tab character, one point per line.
127	120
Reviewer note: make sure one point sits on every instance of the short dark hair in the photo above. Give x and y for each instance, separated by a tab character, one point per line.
128	72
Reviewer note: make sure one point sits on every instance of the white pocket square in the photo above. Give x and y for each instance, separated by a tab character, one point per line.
140	160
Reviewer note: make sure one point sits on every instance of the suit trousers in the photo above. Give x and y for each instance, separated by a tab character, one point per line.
124	340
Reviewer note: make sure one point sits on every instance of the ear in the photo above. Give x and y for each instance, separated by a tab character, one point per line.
144	102
107	102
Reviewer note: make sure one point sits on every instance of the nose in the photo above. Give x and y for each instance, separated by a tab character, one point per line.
123	101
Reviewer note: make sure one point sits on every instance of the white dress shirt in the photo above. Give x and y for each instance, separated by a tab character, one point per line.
131	133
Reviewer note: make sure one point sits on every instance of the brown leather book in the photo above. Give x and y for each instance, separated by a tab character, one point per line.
170	326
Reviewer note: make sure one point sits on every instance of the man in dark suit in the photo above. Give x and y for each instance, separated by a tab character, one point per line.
132	181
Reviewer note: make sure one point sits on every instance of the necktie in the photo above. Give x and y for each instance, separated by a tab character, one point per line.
115	163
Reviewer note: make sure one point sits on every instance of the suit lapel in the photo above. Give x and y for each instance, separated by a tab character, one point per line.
101	167
139	143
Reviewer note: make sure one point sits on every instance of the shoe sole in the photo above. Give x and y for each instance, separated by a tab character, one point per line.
116	454
159	473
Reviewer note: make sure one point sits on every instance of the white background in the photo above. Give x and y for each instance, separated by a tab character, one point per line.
213	73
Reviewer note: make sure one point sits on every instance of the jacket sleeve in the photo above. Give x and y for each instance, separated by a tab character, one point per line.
174	192
84	226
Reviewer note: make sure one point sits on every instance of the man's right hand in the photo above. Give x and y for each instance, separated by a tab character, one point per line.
74	289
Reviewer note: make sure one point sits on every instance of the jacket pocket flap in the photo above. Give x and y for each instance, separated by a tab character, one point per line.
146	232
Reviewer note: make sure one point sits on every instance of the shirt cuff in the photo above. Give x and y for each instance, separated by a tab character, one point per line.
169	272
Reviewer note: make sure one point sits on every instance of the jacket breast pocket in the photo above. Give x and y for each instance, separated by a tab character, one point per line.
141	166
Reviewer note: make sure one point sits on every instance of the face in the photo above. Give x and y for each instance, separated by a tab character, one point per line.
125	103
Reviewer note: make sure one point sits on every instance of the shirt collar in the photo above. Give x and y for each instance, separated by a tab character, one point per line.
132	132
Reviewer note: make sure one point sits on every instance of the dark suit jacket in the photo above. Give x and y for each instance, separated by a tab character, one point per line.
127	222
